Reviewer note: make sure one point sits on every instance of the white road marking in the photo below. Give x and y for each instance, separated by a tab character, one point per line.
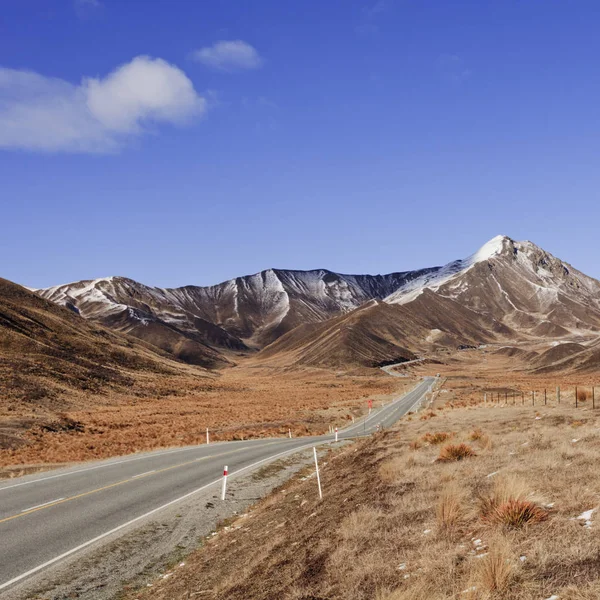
142	474
117	462
40	505
145	515
390	408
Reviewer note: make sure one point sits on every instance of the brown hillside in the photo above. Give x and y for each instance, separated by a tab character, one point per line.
51	358
554	356
366	337
380	333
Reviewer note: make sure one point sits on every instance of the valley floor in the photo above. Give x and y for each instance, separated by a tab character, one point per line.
240	403
516	518
254	401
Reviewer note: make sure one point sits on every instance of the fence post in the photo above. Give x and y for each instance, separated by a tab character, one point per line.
593	397
318	477
533	398
557	394
523	398
575	396
545	397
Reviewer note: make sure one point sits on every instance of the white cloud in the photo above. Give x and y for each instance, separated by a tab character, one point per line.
98	115
229	55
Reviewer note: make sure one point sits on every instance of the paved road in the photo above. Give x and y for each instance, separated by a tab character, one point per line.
47	517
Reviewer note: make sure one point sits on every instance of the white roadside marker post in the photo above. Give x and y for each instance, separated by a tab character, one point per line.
336	434
289	433
224	488
207	440
317	469
353	420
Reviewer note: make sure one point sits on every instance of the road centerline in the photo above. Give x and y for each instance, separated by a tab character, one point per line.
52	503
41	505
144	474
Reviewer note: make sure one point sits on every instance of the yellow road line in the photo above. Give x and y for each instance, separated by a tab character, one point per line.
123	481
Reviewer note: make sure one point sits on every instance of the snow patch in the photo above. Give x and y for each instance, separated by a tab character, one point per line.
442	275
587	517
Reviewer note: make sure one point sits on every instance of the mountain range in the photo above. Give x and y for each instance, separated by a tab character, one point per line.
506	291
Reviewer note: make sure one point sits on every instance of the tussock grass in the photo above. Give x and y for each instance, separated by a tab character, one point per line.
428	415
456	452
476	434
451	509
436	438
516	513
583	395
494	572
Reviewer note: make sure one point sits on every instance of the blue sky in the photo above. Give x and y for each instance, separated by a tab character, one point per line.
190	142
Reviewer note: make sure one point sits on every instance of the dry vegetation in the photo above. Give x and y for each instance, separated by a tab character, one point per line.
397	524
241	403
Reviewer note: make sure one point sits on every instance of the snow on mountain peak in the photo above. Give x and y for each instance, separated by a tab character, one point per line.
489	249
444	274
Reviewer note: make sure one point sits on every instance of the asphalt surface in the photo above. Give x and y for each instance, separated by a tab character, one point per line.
48	517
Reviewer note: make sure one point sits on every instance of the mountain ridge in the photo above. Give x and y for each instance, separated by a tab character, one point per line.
518	285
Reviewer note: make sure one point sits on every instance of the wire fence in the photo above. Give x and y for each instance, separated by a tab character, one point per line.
577	396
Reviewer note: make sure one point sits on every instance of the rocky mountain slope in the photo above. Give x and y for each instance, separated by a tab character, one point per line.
506	290
518	283
247	312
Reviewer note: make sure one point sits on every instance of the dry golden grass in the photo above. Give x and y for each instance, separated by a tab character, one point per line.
508	488
354	526
451	509
241	403
395	524
496	569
